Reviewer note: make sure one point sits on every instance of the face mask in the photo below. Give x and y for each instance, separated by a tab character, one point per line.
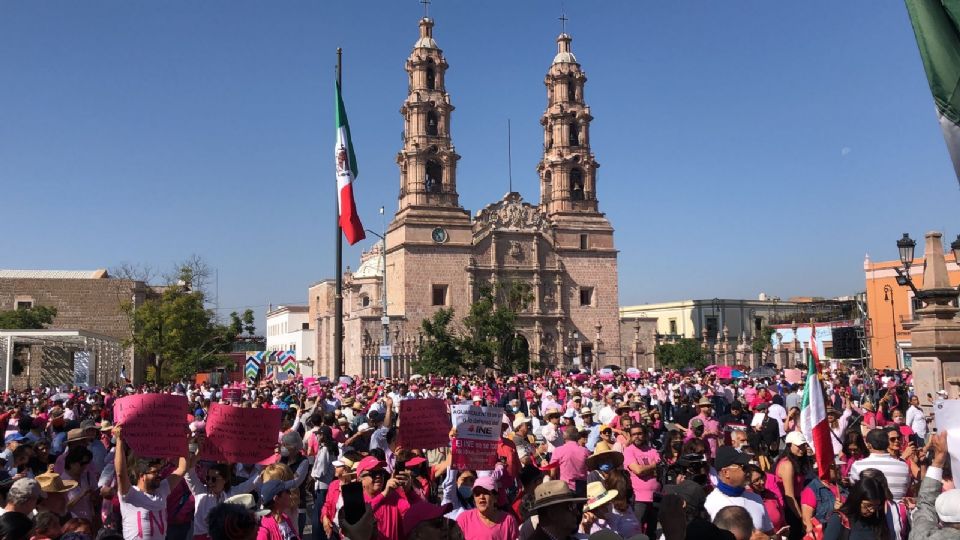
515	409
606	467
465	491
284	451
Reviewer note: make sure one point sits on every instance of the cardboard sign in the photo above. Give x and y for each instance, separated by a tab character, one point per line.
240	435
314	390
154	425
793	376
478	432
424	423
233	394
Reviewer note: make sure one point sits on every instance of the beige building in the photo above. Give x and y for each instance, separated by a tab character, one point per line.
438	255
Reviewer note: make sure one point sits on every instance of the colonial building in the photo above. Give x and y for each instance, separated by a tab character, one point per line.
438	255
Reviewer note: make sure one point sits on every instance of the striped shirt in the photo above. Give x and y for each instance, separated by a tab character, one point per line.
896	471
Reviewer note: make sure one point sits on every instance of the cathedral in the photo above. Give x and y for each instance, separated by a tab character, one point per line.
438	255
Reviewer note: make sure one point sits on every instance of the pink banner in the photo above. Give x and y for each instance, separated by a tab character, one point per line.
154	425
233	394
240	435
793	376
314	390
424	423
470	454
308	381
724	372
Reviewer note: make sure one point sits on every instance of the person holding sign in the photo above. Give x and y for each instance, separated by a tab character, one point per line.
143	506
207	495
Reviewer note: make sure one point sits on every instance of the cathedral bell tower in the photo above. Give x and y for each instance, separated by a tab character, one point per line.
568	171
428	161
430	238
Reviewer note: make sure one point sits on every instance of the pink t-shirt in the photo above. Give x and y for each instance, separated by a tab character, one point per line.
643	487
573	462
474	528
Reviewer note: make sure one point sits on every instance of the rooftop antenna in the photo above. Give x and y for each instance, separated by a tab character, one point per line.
509	156
563	19
426	8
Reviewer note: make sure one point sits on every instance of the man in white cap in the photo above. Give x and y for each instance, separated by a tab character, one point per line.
933	507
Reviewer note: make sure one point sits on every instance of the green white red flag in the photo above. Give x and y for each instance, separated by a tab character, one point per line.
813	412
935	24
346	163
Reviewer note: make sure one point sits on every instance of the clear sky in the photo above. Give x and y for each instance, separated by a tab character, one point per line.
744	146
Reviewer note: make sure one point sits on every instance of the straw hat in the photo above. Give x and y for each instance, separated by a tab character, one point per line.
597	495
553	492
704	402
50	482
552	412
593	462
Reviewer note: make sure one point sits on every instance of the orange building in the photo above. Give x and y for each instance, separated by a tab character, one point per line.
891	309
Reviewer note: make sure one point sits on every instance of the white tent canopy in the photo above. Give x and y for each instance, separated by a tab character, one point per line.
99	365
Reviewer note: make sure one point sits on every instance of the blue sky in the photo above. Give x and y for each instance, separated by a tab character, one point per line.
744	146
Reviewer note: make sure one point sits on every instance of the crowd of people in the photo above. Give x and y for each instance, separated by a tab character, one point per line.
660	454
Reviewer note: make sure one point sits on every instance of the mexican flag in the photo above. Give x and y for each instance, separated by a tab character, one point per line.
346	163
935	24
813	412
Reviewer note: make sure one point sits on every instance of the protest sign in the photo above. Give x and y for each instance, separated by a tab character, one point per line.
233	394
314	390
308	381
793	376
240	435
424	423
478	432
947	419
153	425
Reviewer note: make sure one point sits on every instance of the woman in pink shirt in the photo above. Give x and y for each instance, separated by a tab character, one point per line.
486	521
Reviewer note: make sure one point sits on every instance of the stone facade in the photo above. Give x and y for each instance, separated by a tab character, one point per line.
94	303
439	256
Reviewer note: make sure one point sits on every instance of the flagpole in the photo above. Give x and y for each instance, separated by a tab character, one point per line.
338	295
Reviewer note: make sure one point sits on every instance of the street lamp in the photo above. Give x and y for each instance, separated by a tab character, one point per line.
888	297
384	318
955	247
905	246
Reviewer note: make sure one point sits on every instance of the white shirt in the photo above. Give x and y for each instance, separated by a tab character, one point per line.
750	501
779	414
916	421
144	515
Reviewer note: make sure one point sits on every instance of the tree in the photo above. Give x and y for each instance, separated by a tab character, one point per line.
32	318
488	337
440	351
176	331
763	341
684	353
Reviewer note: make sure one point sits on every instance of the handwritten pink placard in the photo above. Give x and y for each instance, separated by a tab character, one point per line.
233	394
424	423
240	435
154	425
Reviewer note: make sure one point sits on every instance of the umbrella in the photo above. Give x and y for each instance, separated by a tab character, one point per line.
614	367
346	379
60	397
737	374
711	367
763	372
416	377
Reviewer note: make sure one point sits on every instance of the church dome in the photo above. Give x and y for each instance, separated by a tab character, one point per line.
426	35
372	267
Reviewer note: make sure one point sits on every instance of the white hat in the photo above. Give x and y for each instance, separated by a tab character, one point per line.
796	438
586	412
948	506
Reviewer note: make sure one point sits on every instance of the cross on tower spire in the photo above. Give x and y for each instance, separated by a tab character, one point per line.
426	8
563	22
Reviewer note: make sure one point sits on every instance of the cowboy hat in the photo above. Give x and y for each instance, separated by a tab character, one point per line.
553	411
704	402
593	462
553	492
51	482
597	495
76	435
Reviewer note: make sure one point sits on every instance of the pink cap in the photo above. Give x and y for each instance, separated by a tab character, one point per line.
486	483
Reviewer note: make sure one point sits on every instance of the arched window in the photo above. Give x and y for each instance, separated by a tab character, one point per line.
576	185
364	300
434	176
431	77
432	124
574	134
571	90
547	186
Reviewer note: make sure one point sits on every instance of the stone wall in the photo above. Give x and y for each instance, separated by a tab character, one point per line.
94	305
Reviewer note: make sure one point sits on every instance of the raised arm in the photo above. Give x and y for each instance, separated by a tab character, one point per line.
120	463
177	475
925	519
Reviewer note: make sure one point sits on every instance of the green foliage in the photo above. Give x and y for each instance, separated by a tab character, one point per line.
685	353
33	318
439	352
488	337
762	341
178	333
